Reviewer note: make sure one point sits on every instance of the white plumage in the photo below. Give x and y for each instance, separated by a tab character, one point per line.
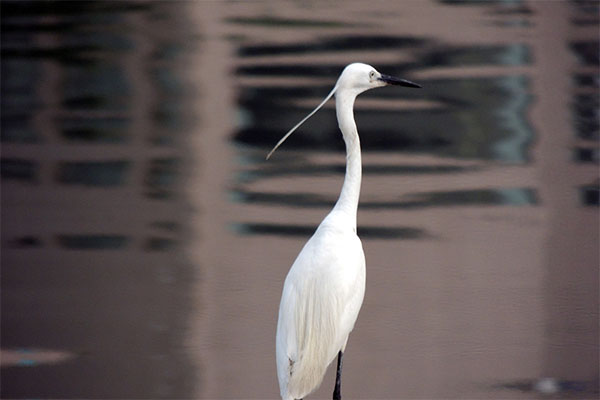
321	298
324	289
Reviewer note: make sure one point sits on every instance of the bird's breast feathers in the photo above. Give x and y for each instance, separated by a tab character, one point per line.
330	270
334	256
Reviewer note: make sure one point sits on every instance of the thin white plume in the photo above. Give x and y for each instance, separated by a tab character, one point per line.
301	122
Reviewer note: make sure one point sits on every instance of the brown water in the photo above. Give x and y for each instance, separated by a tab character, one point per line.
145	240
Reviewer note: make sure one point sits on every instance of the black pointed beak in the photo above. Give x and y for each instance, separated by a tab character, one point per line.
391	80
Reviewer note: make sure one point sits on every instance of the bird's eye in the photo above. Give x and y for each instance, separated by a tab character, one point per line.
371	74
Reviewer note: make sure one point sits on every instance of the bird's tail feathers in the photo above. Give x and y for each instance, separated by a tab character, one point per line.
316	352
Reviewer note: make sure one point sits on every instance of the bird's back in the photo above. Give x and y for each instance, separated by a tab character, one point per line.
321	298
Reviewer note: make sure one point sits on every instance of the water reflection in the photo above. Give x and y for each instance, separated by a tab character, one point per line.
89	242
19	100
550	386
587	52
140	261
505	196
491	125
20	170
483	103
161	177
590	194
483	118
96	87
100	129
25	242
288	22
587	155
585	110
93	276
304	231
93	173
301	167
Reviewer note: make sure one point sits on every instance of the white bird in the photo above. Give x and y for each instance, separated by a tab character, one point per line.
325	286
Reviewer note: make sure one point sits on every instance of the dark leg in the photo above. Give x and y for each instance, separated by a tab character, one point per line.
337	391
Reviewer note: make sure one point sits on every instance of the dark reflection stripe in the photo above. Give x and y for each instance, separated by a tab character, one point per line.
503	196
372	42
92	241
499	104
95	130
587	52
19	169
160	177
369	232
482	197
295	70
275	22
512	10
590	194
155	243
339	169
512	54
585	115
93	173
25	242
586	80
433	56
330	71
58	9
283	199
586	155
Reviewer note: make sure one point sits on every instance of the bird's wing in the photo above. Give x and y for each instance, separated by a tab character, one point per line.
318	308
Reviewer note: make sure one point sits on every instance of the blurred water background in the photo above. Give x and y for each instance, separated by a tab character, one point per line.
145	239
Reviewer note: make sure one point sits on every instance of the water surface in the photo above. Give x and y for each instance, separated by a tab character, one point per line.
145	239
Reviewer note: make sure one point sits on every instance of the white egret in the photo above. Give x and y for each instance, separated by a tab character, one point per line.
324	288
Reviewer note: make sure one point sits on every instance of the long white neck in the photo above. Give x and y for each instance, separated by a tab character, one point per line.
348	201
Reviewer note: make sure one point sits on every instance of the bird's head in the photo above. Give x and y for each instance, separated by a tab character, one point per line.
359	77
355	79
